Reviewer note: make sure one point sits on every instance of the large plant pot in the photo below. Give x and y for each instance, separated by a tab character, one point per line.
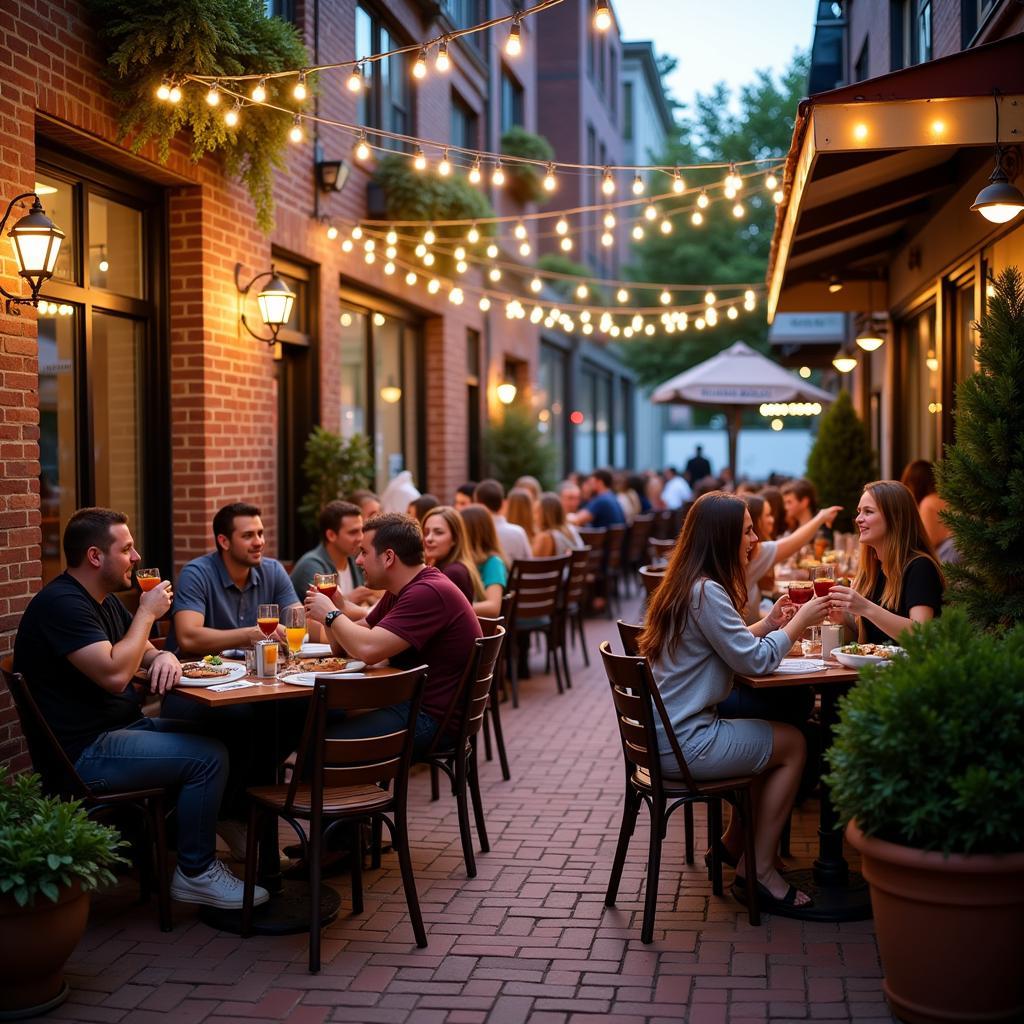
950	931
36	941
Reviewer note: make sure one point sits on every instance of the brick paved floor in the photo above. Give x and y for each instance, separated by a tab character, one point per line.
528	940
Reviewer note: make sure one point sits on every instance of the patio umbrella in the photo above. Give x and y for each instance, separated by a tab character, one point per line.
734	379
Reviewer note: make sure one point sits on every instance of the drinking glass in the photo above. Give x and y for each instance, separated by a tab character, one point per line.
148	578
800	591
295	627
824	578
267	618
326	583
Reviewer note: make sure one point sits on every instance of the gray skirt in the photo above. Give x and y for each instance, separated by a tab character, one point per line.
732	746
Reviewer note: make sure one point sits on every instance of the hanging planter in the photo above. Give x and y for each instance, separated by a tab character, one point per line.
524	183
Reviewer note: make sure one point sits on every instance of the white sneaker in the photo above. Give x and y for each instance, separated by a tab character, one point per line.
215	887
234	834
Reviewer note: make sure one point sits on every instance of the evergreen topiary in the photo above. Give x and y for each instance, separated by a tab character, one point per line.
516	448
147	43
524	181
842	460
982	475
334	468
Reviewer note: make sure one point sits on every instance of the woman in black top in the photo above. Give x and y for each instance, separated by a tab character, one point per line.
899	582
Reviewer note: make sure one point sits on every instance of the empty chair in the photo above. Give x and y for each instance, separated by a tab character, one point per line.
614	544
636	544
651	576
493	715
596	538
573	598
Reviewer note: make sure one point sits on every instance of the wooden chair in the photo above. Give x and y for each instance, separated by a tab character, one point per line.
59	778
573	600
615	541
636	544
348	785
662	524
493	712
596	539
455	755
637	701
538	583
661	550
651	577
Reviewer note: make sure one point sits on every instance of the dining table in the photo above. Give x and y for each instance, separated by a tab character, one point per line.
838	894
287	911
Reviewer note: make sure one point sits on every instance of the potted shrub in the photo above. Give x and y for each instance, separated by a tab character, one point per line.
334	467
927	766
51	856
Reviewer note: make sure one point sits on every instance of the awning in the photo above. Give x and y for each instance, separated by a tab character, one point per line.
870	163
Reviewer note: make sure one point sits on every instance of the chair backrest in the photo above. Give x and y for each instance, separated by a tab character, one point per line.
651	577
637	702
628	632
640	531
508	603
596	539
661	549
538	583
489	626
357	762
470	700
49	760
579	561
662	523
615	542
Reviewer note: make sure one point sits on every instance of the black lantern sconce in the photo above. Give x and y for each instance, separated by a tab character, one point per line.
36	241
275	300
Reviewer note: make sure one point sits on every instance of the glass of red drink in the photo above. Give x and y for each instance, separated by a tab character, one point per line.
326	583
824	579
148	578
800	591
267	618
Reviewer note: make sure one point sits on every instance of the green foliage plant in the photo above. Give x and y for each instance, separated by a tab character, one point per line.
423	195
523	181
47	843
334	468
148	42
927	752
515	448
842	460
982	475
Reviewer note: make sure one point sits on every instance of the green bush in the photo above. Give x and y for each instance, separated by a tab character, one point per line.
842	460
422	195
927	751
524	182
334	468
515	448
148	42
47	843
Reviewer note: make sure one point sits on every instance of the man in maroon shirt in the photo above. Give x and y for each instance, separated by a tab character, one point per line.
422	619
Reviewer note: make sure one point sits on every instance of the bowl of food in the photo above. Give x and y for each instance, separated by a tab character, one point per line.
859	655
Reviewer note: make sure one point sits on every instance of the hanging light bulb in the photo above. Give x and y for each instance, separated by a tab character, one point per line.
494	274
346	245
433	286
651	212
296	130
732	312
456	297
473	235
355	79
696	218
710	298
638	185
429	236
444	168
602	16
678	185
419	68
1000	200
729	192
461	267
711	317
607	239
524	249
702	199
777	196
609	220
749	296
739	211
581	291
420	160
362	150
391	252
410	278
608	182
562	227
566	244
535	285
357	232
370	257
492	251
666	226
231	116
163	92
498	175
443	61
771	182
514	43
429	259
213	96
300	92
733	180
869	339
638	233
622	295
259	91
474	172
666	298
519	230
332	233
391	237
389	268
550	182
175	93
485	303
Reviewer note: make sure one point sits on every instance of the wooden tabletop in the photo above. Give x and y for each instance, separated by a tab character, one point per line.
263	689
833	675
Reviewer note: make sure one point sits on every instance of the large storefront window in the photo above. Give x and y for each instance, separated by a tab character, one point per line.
381	358
102	360
593	439
922	387
387	101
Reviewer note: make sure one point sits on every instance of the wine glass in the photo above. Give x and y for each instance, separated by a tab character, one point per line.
326	583
295	627
824	579
800	591
267	618
148	578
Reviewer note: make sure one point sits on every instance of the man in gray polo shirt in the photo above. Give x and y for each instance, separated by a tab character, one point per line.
341	530
217	595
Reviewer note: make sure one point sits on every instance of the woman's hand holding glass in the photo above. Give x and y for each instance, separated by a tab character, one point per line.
782	611
810	614
847	601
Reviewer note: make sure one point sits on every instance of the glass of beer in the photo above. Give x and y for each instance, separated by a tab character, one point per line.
326	583
148	578
267	618
295	627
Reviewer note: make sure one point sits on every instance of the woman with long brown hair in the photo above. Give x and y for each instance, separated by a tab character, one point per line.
445	547
899	582
485	552
695	639
519	510
555	534
919	477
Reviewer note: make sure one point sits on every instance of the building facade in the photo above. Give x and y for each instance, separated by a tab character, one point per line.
885	164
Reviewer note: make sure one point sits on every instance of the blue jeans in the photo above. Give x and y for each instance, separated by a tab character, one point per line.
384	721
161	752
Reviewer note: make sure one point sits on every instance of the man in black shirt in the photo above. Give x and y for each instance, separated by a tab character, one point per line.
79	650
698	467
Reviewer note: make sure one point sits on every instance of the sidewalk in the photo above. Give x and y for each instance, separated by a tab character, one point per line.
528	940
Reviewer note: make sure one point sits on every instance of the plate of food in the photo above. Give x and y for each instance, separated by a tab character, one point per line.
331	663
859	655
310	676
210	671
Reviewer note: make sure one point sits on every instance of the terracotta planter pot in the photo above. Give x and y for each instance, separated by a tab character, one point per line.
36	941
950	931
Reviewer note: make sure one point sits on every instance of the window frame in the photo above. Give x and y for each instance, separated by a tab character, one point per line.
373	104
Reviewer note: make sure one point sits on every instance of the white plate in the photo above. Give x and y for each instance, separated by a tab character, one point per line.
309	678
860	660
235	671
309	650
793	666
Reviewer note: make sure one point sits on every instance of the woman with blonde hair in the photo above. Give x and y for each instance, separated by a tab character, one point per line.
446	548
485	553
555	534
519	510
695	639
899	582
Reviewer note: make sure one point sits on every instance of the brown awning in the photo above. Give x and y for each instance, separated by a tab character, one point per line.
871	162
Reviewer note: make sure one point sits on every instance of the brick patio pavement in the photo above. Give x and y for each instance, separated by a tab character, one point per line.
528	940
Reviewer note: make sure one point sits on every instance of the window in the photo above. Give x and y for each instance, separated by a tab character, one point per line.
861	70
613	83
592	446
924	32
910	29
386	103
463	14
284	9
627	111
973	14
103	419
551	416
511	101
465	129
921	387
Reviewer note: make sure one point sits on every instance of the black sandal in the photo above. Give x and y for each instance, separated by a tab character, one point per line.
723	855
782	905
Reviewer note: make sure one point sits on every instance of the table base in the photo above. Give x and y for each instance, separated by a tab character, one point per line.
849	902
285	913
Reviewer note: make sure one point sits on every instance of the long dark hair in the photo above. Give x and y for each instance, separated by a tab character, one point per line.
708	548
919	477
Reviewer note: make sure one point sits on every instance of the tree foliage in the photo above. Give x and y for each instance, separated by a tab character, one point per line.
842	460
722	250
149	42
515	448
524	181
422	195
982	476
334	468
559	263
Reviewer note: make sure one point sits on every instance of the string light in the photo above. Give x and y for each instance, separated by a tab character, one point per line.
362	150
622	295
474	172
332	233
524	249
174	95
535	285
771	182
777	196
420	160
259	91
550	182
566	244
678	185
607	239
514	43
231	116
703	200
732	312
355	79
498	176
391	237
602	16
389	268
492	251
520	230
609	220
357	232
429	236
666	227
473	235
213	95
433	286
733	180
638	185
296	130
650	212
638	233
163	91
485	303
666	298
443	61
444	168
299	92
608	182
410	278
494	274
562	226
581	291
739	210
346	245
419	68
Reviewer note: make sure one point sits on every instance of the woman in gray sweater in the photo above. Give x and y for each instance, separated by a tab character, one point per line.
695	639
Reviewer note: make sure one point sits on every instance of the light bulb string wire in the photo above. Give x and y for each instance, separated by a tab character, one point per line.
373	58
